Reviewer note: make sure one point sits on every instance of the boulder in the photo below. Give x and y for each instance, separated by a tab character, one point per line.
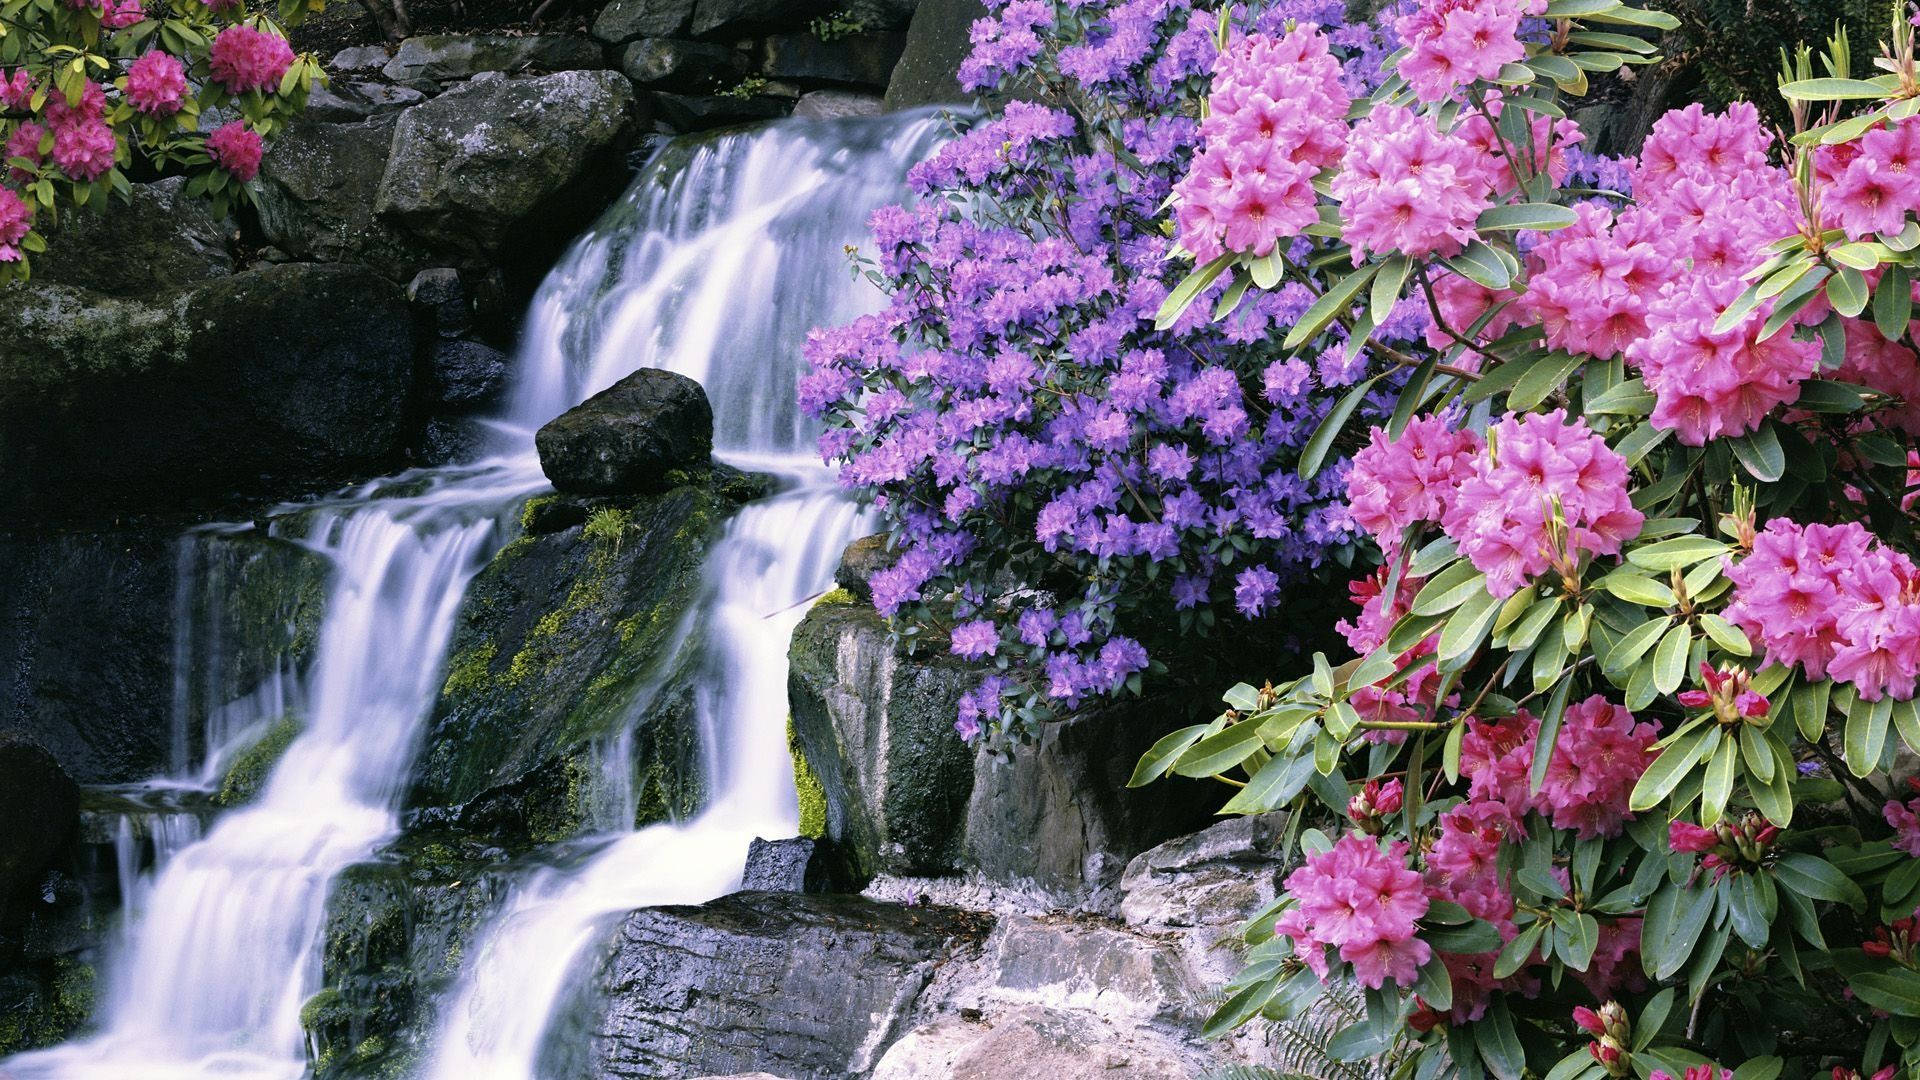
441	301
161	241
862	559
39	814
685	113
316	198
796	864
796	985
626	439
269	382
937	42
350	102
862	59
837	105
467	374
503	163
1219	876
625	20
453	57
698	66
1034	1041
731	19
877	729
360	59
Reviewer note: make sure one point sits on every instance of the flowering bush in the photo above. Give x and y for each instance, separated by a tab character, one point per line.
92	92
1604	789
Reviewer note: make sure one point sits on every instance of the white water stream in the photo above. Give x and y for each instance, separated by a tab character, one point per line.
715	269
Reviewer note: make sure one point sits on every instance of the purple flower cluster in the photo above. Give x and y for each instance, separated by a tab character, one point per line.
1060	478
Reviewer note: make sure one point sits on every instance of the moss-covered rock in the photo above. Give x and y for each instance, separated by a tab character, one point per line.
250	768
44	1004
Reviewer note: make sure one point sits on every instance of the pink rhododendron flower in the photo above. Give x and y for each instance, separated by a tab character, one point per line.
1708	146
84	151
1591	289
16	220
1501	513
90	109
1405	186
24	143
16	89
1906	825
243	58
1410	479
1710	384
1879	183
1887	366
1454	42
1598	756
157	84
120	14
236	148
1274	121
1364	901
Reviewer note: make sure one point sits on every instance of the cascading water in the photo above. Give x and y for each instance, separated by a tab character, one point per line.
715	269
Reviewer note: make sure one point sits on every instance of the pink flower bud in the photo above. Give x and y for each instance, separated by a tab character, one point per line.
1685	836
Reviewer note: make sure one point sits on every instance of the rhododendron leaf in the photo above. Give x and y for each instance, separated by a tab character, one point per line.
1482	265
1616	42
1906	239
1379	664
1323	685
1514	75
1774	798
1468	626
1336	300
1530	215
1865	735
1629	398
1893	302
1847	292
1189	289
1599	61
1860	255
1757	751
1717	785
1634	645
1881	450
1450	752
1341	721
1578	938
1220	751
1548	659
1578	9
1634	588
1906	721
1759	452
1815	877
1810	707
1828	396
1534	623
1162	754
1640	442
1513	956
1388	281
1897	893
1230	300
1358	1042
1678	552
1515	606
1667	770
1246	1004
1895	990
1267	270
1435	985
1547	375
1242	697
1277	784
1834	89
1726	635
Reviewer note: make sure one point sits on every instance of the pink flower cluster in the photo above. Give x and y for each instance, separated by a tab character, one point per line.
114	14
1905	819
1871	184
84	145
16	220
1411	479
24	143
236	148
1454	42
243	58
1887	366
1709	384
1362	900
1276	119
1406	186
157	84
1599	754
1832	600
16	90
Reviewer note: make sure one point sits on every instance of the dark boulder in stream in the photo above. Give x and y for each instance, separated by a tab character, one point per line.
628	438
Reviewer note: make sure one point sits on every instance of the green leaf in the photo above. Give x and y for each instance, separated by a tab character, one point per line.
1449	589
1760	454
1482	266
1387	283
1331	304
1221	751
1525	216
1670	659
1847	290
1513	956
1273	786
1467	627
1667	770
1189	289
1652	1019
1499	1044
1542	379
1893	302
1681	551
1315	453
1814	877
1635	589
1434	985
1726	635
1865	736
1578	941
1631	647
1831	90
1827	396
1895	990
1161	755
1718	784
1478	936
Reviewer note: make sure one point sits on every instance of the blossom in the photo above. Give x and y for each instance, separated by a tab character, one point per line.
1454	42
236	148
1540	469
243	58
24	143
1362	900
120	14
157	84
16	220
85	151
16	89
1395	483
976	639
1405	186
1709	383
1598	756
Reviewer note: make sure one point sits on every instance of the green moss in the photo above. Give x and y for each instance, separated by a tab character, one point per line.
813	797
836	596
249	771
607	526
323	1009
531	511
552	820
53	1011
471	670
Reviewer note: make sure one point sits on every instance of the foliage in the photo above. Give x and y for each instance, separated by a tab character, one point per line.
1734	46
840	24
1067	484
95	94
1613	749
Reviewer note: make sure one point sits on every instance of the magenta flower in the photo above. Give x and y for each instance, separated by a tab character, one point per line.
243	58
157	84
236	148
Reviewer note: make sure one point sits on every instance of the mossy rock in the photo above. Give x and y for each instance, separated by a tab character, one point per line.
250	768
43	1004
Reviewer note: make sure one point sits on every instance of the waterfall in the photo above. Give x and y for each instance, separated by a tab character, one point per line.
716	270
714	264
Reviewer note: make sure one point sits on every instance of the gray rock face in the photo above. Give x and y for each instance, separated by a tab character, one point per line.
683	112
440	298
360	58
937	42
862	559
1218	876
837	104
1033	1041
467	374
796	864
801	986
727	19
348	102
863	59
624	20
39	813
316	197
452	57
877	728
627	438
694	66
161	241
482	163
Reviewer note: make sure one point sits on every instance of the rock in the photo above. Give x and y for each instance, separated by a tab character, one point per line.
451	440
796	864
1221	875
783	982
625	439
452	57
492	163
878	14
1087	965
349	102
438	296
877	729
624	20
837	104
728	19
39	814
360	58
274	381
316	198
688	114
161	241
467	374
1059	1045
863	59
556	636
862	559
682	65
937	42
